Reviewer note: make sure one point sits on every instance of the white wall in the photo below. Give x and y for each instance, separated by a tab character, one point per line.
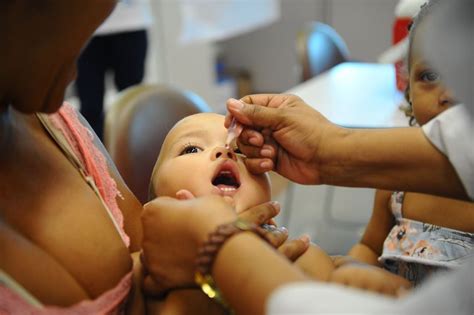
366	25
186	66
270	53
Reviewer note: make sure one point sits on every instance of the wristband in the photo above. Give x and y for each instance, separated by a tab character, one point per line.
208	251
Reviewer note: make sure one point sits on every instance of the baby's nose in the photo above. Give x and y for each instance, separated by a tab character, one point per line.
446	98
223	153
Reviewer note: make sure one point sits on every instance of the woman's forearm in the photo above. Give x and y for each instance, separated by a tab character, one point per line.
393	159
247	271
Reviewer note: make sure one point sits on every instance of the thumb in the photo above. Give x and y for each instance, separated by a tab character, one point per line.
184	194
254	115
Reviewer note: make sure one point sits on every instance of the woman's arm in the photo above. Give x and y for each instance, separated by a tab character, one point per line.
393	159
307	148
246	268
247	271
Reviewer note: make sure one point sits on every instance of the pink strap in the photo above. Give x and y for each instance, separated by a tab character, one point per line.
80	138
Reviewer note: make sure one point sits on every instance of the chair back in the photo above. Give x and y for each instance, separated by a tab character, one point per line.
320	48
136	125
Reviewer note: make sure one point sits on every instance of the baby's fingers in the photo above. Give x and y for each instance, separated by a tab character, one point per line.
295	248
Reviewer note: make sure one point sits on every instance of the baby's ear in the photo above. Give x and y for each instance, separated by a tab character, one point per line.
184	194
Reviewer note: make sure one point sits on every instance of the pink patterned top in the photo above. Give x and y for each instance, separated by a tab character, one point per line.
82	151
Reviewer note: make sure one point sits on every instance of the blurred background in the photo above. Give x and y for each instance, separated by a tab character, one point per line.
327	51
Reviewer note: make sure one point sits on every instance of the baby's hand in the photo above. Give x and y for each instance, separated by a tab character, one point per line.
316	263
370	278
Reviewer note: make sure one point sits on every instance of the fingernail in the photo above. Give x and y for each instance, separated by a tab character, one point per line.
266	153
266	165
305	238
253	141
283	229
236	105
276	205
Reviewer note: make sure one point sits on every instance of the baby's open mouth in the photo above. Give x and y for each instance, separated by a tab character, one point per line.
227	177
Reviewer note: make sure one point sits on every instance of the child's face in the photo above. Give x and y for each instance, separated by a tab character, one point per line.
194	157
428	95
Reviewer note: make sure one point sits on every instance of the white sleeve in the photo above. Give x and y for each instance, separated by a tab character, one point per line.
323	298
446	293
452	132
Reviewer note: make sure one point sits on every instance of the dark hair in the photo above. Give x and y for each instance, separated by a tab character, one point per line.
425	10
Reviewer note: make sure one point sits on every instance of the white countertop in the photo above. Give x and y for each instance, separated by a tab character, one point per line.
356	95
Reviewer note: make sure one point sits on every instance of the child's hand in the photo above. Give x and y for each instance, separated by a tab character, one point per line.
316	263
370	278
293	249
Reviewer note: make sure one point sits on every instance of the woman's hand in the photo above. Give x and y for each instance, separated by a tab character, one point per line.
174	229
370	278
281	133
185	302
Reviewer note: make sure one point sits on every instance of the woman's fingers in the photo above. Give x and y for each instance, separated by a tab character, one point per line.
254	115
251	137
151	288
275	235
261	213
184	194
259	166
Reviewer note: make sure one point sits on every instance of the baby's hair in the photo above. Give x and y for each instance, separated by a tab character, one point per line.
425	10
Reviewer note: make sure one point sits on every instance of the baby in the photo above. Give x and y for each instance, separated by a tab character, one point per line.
194	161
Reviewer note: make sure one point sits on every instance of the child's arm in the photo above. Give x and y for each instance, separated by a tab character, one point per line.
360	268
381	222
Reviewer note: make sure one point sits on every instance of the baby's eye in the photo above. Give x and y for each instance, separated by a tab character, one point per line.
429	76
190	149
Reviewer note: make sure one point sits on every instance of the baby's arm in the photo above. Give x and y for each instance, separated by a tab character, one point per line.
370	278
320	266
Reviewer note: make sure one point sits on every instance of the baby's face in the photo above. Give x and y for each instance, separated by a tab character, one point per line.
194	157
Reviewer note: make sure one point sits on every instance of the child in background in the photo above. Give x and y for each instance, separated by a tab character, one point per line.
413	234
